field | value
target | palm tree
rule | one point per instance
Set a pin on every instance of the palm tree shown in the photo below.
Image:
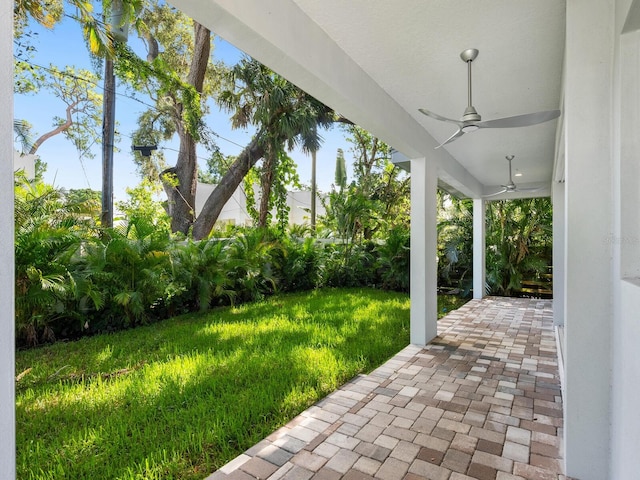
(49, 12)
(285, 116)
(22, 130)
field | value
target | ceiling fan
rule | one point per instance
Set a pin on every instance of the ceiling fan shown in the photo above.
(472, 121)
(512, 187)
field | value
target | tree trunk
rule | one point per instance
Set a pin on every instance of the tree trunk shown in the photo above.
(225, 189)
(182, 188)
(265, 188)
(182, 196)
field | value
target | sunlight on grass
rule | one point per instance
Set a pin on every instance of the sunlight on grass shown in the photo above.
(105, 354)
(180, 398)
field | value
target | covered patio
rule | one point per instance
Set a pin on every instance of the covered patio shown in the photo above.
(482, 400)
(378, 63)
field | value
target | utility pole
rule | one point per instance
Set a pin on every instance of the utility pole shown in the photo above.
(313, 191)
(108, 129)
(119, 30)
(314, 186)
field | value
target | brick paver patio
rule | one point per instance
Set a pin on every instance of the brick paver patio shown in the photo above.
(481, 401)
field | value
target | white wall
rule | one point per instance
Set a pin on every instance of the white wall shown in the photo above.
(7, 347)
(299, 203)
(625, 419)
(235, 210)
(25, 162)
(589, 208)
(625, 241)
(628, 121)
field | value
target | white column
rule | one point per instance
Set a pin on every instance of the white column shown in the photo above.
(559, 248)
(479, 249)
(589, 210)
(7, 322)
(424, 267)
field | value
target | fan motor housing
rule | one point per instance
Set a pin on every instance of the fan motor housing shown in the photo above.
(471, 115)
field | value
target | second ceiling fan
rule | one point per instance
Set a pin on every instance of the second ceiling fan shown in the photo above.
(511, 187)
(472, 121)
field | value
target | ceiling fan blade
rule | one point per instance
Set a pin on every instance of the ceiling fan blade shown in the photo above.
(459, 133)
(504, 190)
(536, 189)
(525, 120)
(426, 112)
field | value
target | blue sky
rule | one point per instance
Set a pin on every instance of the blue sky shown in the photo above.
(66, 168)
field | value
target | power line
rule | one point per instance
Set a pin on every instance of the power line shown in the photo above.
(123, 95)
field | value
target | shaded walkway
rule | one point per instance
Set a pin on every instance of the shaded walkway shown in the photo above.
(481, 401)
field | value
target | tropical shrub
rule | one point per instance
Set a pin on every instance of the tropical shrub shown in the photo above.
(393, 258)
(519, 238)
(199, 277)
(348, 265)
(455, 243)
(348, 214)
(47, 236)
(251, 267)
(143, 205)
(130, 265)
(299, 264)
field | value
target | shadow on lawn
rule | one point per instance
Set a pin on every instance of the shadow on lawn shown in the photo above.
(205, 397)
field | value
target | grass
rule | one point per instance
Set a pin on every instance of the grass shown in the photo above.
(447, 303)
(180, 398)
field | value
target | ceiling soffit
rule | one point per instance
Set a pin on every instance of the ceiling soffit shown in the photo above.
(377, 62)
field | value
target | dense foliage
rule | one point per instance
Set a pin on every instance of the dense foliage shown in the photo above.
(518, 245)
(74, 278)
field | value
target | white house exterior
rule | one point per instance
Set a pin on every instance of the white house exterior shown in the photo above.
(26, 163)
(376, 62)
(235, 211)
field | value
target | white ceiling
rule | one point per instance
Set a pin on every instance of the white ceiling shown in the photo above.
(378, 61)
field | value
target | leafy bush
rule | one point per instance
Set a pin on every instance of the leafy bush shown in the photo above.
(299, 264)
(348, 265)
(518, 243)
(200, 278)
(130, 265)
(74, 279)
(455, 243)
(251, 264)
(393, 258)
(46, 239)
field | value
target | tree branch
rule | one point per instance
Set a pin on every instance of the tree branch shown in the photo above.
(59, 129)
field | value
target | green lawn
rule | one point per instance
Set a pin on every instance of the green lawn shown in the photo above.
(180, 398)
(447, 303)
